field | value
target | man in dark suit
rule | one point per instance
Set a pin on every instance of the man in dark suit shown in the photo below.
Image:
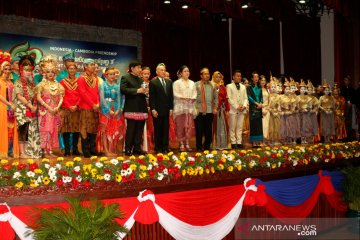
(135, 109)
(161, 100)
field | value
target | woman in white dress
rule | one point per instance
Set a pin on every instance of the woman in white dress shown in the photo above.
(184, 108)
(265, 110)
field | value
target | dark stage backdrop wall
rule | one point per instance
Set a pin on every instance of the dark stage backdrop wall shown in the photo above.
(255, 44)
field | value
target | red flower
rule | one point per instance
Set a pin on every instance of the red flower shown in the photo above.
(59, 182)
(33, 166)
(75, 183)
(161, 167)
(63, 172)
(107, 171)
(273, 155)
(125, 166)
(21, 166)
(141, 161)
(7, 167)
(159, 157)
(87, 183)
(76, 172)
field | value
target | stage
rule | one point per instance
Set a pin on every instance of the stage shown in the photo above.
(166, 176)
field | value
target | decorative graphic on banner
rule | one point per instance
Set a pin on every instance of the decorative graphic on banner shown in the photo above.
(106, 55)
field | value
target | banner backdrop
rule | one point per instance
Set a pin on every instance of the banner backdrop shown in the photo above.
(105, 55)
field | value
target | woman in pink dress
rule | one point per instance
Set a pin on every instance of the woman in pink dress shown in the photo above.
(50, 96)
(184, 108)
(148, 138)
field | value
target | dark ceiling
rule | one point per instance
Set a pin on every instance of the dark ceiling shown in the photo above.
(134, 14)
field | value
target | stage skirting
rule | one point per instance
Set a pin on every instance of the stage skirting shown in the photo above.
(207, 213)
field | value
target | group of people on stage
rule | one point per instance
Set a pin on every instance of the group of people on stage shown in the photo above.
(149, 114)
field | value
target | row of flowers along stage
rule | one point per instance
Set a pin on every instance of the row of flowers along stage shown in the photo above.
(190, 195)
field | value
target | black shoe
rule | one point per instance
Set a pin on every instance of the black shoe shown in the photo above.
(128, 153)
(239, 146)
(87, 155)
(76, 153)
(233, 146)
(139, 152)
(67, 153)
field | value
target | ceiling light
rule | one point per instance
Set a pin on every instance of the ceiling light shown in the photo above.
(185, 6)
(167, 2)
(244, 6)
(302, 1)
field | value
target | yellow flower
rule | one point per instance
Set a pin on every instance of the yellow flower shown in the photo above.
(77, 159)
(306, 162)
(93, 171)
(133, 166)
(196, 171)
(16, 163)
(159, 154)
(143, 167)
(220, 166)
(201, 171)
(120, 158)
(243, 151)
(190, 171)
(4, 161)
(279, 154)
(211, 160)
(178, 162)
(170, 154)
(212, 170)
(223, 159)
(99, 177)
(142, 175)
(46, 180)
(30, 161)
(183, 172)
(107, 162)
(33, 183)
(267, 148)
(232, 151)
(225, 152)
(230, 168)
(273, 165)
(69, 163)
(214, 152)
(103, 159)
(207, 171)
(239, 167)
(59, 159)
(93, 157)
(118, 177)
(132, 157)
(182, 157)
(141, 157)
(19, 184)
(165, 157)
(206, 152)
(327, 146)
(38, 170)
(86, 167)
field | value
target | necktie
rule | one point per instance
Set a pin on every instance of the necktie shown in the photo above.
(237, 86)
(163, 84)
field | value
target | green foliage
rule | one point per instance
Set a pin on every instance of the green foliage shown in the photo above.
(351, 187)
(82, 221)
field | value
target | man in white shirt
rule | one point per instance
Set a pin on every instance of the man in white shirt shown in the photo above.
(239, 104)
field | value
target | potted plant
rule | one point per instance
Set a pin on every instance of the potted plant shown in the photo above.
(91, 220)
(351, 187)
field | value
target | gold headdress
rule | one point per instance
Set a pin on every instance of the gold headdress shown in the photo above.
(49, 64)
(302, 83)
(309, 84)
(292, 82)
(5, 59)
(325, 84)
(287, 83)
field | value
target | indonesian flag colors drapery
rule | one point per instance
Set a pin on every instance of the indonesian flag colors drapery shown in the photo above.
(207, 213)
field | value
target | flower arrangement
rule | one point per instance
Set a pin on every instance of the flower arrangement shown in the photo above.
(75, 173)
